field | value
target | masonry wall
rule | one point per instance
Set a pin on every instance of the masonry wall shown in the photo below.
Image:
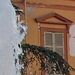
(33, 35)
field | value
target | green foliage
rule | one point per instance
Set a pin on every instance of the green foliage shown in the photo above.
(51, 62)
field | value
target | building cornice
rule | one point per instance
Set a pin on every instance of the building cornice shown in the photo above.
(51, 6)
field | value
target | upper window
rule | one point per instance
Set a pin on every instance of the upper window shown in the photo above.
(55, 41)
(53, 32)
